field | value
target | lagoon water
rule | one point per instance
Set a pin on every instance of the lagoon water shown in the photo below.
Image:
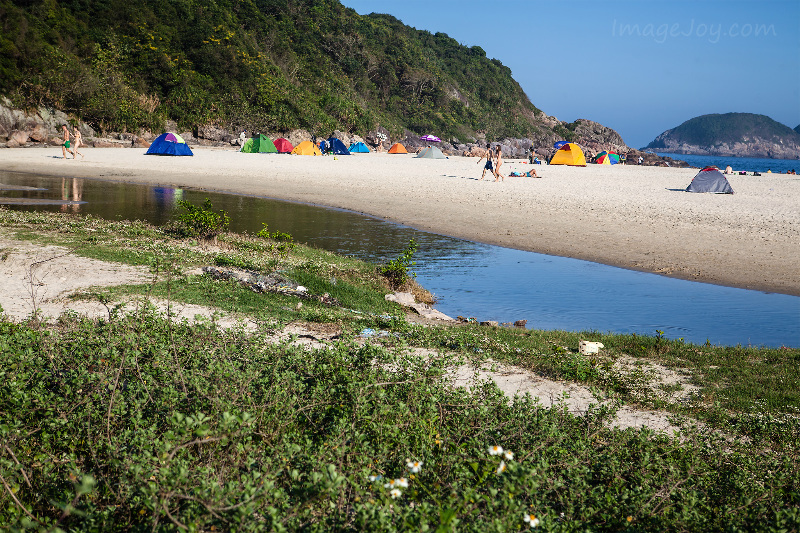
(747, 164)
(469, 279)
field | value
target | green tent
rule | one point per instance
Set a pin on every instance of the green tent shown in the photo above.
(260, 144)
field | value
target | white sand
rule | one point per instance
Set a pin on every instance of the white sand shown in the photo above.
(629, 216)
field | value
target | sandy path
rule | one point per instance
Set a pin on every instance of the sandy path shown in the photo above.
(633, 217)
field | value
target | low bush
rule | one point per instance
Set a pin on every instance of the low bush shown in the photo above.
(398, 271)
(141, 424)
(200, 222)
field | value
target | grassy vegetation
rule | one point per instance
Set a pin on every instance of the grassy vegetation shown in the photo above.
(139, 423)
(263, 65)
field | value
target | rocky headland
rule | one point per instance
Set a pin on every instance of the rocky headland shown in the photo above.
(731, 134)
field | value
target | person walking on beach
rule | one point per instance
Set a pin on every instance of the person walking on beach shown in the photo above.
(65, 146)
(497, 162)
(78, 141)
(488, 156)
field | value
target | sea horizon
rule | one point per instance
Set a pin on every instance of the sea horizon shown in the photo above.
(739, 164)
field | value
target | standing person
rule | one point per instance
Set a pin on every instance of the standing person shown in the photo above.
(78, 140)
(497, 162)
(65, 146)
(488, 156)
(641, 160)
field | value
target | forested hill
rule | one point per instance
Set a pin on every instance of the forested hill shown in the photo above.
(734, 134)
(269, 65)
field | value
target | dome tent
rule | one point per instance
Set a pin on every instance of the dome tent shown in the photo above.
(569, 154)
(337, 147)
(710, 179)
(359, 148)
(306, 148)
(283, 145)
(259, 144)
(169, 144)
(607, 158)
(431, 152)
(398, 148)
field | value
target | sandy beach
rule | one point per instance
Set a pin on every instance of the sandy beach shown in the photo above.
(628, 216)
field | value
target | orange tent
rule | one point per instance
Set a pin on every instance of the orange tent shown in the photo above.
(398, 148)
(306, 148)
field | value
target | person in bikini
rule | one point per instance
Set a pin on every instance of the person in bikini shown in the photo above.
(497, 162)
(488, 165)
(78, 141)
(65, 146)
(529, 174)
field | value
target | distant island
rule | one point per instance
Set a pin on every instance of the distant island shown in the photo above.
(731, 134)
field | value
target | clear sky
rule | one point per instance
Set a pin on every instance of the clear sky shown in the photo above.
(638, 66)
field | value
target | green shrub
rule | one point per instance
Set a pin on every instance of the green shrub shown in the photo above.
(200, 222)
(397, 270)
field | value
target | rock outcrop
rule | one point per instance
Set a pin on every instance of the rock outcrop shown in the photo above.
(18, 127)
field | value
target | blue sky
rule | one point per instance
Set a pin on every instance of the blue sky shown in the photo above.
(638, 66)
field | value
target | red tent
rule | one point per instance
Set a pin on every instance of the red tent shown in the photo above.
(283, 146)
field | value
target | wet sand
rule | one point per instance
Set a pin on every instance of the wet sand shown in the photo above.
(628, 216)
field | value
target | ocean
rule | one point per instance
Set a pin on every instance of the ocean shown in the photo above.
(748, 164)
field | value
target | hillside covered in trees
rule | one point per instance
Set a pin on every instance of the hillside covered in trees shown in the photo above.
(269, 65)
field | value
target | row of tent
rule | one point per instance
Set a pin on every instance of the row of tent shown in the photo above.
(264, 145)
(173, 144)
(571, 154)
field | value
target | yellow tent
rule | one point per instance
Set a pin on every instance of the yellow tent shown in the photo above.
(306, 148)
(569, 154)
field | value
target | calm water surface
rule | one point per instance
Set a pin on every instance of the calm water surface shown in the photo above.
(469, 279)
(747, 164)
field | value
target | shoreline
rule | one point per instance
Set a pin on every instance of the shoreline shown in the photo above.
(631, 217)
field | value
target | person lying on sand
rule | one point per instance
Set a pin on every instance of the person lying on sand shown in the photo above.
(529, 174)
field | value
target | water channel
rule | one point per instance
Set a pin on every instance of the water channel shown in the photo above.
(469, 279)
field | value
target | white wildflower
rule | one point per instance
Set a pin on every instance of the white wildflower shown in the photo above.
(414, 466)
(508, 455)
(395, 493)
(495, 450)
(531, 520)
(502, 467)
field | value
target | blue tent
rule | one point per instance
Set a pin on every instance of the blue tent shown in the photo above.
(359, 148)
(337, 147)
(323, 146)
(169, 144)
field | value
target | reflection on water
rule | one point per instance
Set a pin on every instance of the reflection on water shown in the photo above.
(469, 279)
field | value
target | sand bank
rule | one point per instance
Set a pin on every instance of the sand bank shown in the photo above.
(628, 216)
